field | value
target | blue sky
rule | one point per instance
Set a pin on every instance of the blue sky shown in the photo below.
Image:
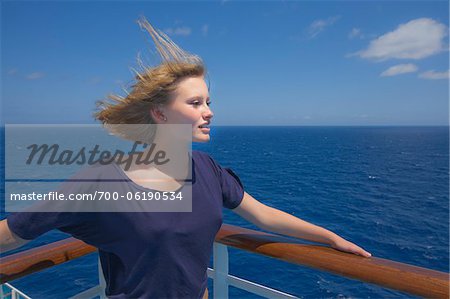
(270, 63)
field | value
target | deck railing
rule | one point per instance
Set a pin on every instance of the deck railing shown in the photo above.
(386, 273)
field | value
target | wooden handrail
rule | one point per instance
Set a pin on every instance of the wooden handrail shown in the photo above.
(403, 277)
(36, 259)
(394, 275)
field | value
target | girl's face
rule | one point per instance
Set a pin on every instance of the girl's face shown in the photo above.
(190, 105)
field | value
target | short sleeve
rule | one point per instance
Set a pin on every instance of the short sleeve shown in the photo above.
(232, 189)
(24, 225)
(231, 185)
(37, 220)
(30, 225)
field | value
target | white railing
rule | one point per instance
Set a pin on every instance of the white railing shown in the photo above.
(222, 279)
(7, 291)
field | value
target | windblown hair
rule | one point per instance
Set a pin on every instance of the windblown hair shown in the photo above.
(153, 86)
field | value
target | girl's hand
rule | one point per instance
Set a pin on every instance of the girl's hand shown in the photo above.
(344, 245)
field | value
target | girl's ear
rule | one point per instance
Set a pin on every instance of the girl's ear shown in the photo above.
(158, 115)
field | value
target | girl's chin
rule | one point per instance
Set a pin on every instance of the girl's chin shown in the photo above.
(203, 139)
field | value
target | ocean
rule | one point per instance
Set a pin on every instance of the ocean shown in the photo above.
(383, 188)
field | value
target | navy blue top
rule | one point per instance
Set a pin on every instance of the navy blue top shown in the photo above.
(150, 255)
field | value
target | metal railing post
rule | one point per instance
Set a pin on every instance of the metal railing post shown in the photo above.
(220, 271)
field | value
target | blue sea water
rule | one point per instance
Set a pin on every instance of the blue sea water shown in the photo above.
(384, 188)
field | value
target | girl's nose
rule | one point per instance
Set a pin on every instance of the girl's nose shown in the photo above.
(208, 114)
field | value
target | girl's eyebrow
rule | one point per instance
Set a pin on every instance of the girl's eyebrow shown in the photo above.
(197, 98)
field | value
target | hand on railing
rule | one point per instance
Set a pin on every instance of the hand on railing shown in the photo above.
(343, 245)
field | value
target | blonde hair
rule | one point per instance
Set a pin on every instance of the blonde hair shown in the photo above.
(153, 86)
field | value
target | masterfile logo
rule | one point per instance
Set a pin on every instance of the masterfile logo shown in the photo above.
(91, 168)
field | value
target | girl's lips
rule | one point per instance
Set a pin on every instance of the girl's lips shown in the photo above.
(205, 130)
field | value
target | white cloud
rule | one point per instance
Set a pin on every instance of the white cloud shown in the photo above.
(416, 39)
(399, 69)
(205, 28)
(433, 75)
(183, 31)
(318, 26)
(356, 32)
(35, 76)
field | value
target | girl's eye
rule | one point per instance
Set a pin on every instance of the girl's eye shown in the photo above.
(197, 103)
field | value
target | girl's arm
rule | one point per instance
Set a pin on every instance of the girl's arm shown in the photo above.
(9, 240)
(280, 222)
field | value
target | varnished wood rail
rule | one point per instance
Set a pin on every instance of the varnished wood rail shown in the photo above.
(36, 259)
(394, 275)
(386, 273)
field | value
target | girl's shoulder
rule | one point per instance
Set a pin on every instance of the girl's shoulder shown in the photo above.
(203, 158)
(203, 161)
(200, 155)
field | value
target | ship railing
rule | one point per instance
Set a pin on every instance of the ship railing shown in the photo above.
(382, 272)
(7, 291)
